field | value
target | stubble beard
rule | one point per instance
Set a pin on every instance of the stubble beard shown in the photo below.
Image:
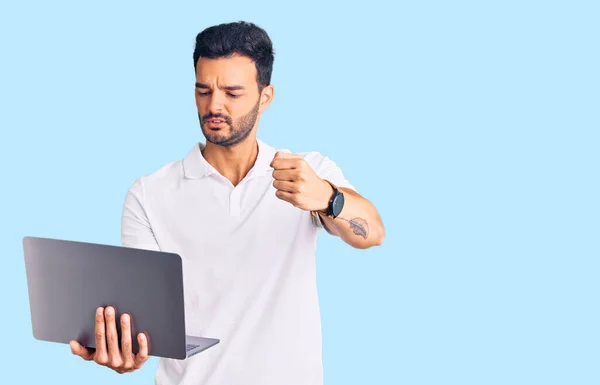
(238, 132)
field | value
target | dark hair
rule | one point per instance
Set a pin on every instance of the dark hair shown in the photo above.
(243, 38)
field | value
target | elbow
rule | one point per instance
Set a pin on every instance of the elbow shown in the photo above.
(376, 239)
(379, 235)
(369, 244)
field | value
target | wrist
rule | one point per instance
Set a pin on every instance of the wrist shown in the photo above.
(327, 195)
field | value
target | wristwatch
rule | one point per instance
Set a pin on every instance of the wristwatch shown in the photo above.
(336, 202)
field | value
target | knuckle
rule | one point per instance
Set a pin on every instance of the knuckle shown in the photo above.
(101, 359)
(116, 362)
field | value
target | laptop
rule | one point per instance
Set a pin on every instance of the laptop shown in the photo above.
(68, 280)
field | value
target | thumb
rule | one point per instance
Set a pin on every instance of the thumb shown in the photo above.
(282, 155)
(285, 155)
(279, 155)
(79, 350)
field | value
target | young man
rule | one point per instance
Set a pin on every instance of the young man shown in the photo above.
(245, 218)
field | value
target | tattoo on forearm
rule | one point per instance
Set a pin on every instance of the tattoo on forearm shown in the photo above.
(359, 226)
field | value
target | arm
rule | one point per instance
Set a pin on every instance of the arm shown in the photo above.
(358, 224)
(136, 231)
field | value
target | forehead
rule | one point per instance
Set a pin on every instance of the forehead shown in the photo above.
(231, 70)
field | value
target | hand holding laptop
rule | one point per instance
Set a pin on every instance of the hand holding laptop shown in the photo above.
(107, 352)
(69, 282)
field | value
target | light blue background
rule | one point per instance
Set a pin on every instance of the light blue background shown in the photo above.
(473, 126)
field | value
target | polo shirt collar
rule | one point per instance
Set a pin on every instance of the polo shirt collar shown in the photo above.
(195, 165)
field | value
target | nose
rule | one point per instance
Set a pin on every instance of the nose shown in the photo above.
(216, 102)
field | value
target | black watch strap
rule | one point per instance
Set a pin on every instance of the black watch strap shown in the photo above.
(335, 196)
(329, 211)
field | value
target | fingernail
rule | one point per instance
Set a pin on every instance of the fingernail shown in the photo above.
(125, 318)
(109, 310)
(99, 311)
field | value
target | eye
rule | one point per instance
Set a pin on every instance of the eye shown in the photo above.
(203, 93)
(234, 95)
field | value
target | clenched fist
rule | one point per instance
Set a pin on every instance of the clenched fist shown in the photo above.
(297, 183)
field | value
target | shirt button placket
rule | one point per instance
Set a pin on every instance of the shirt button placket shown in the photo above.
(234, 203)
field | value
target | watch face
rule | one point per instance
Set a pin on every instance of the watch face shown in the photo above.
(338, 205)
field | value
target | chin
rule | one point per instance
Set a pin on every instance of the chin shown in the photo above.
(218, 134)
(215, 138)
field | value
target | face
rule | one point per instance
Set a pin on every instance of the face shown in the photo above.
(228, 100)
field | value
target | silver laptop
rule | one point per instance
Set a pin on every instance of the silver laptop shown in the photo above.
(69, 280)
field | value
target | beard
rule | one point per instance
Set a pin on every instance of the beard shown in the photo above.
(237, 132)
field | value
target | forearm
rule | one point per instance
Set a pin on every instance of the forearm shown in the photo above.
(358, 224)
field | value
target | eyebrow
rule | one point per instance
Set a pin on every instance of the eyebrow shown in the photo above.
(228, 88)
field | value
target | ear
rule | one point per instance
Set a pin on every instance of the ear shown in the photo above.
(266, 96)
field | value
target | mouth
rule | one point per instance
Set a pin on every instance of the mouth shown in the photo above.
(215, 123)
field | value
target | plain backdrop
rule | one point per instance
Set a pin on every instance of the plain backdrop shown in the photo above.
(473, 126)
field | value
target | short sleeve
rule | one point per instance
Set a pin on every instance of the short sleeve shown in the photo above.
(136, 231)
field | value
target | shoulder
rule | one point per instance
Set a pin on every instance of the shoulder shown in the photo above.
(165, 177)
(326, 168)
(317, 160)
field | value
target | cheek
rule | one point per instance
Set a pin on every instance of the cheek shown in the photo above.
(202, 106)
(199, 102)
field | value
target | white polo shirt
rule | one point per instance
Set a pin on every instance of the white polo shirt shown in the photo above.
(248, 266)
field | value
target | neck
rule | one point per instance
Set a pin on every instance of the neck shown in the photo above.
(234, 162)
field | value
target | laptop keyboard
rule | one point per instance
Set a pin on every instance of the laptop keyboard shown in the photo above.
(189, 347)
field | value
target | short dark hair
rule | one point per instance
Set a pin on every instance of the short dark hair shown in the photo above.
(242, 38)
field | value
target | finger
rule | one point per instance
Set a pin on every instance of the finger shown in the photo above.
(121, 370)
(288, 175)
(286, 196)
(126, 342)
(286, 164)
(286, 186)
(79, 350)
(101, 356)
(284, 155)
(279, 155)
(114, 353)
(142, 355)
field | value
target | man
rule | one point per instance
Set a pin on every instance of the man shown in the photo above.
(245, 218)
